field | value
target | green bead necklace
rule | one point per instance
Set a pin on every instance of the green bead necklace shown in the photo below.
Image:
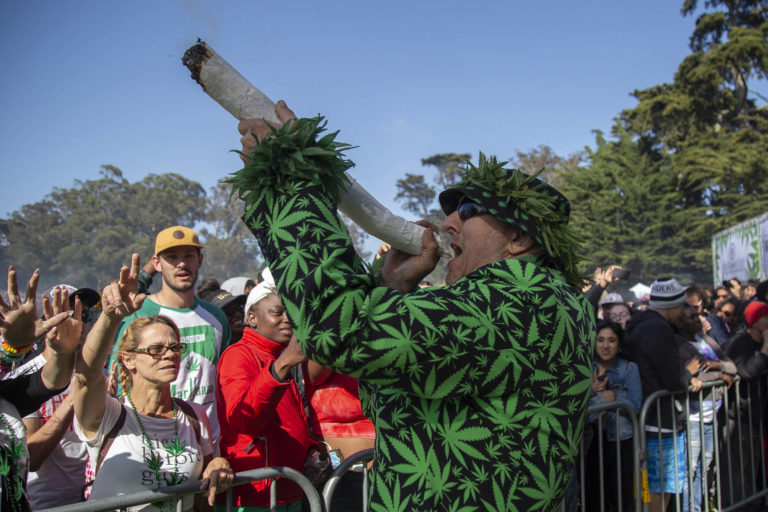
(154, 461)
(11, 459)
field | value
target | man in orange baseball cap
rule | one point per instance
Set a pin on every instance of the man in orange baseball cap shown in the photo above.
(203, 327)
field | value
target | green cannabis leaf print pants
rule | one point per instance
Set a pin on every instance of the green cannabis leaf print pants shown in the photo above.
(478, 390)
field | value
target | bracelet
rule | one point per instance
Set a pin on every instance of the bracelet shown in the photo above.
(9, 355)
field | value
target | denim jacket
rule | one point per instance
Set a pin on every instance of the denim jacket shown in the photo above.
(624, 377)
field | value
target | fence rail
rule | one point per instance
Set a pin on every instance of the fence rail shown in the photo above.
(177, 492)
(330, 486)
(736, 478)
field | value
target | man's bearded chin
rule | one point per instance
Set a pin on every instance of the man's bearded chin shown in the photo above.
(182, 288)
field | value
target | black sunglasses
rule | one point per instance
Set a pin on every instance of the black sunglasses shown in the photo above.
(469, 209)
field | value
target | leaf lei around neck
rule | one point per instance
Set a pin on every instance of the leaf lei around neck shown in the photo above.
(154, 461)
(289, 153)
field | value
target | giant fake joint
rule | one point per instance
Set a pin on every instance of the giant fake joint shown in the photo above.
(244, 101)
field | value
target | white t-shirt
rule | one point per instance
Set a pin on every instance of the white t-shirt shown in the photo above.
(124, 471)
(59, 479)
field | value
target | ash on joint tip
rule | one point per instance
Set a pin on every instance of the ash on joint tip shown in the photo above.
(194, 58)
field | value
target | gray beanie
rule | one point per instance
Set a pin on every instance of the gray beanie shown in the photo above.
(666, 293)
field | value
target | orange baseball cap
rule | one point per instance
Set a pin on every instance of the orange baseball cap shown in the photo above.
(176, 236)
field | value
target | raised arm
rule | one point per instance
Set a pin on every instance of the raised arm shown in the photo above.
(119, 299)
(42, 438)
(425, 342)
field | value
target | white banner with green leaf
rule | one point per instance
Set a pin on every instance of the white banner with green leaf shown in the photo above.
(741, 251)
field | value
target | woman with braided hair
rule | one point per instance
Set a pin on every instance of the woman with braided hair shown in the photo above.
(147, 439)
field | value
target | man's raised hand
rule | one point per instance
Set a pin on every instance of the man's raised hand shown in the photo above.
(254, 130)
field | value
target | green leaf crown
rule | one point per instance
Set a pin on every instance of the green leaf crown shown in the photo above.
(527, 202)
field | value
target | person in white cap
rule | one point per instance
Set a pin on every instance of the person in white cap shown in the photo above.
(238, 285)
(607, 302)
(652, 346)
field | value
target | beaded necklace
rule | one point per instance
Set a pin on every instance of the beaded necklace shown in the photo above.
(11, 466)
(10, 357)
(154, 461)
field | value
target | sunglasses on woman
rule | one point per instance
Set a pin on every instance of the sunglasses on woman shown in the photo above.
(468, 209)
(158, 351)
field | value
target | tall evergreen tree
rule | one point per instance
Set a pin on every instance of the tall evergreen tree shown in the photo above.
(543, 158)
(230, 249)
(697, 149)
(420, 198)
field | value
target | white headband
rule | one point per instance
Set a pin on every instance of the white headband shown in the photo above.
(261, 290)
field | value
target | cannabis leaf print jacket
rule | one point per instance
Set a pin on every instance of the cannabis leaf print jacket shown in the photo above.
(478, 390)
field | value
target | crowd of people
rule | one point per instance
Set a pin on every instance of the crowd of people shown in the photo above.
(678, 339)
(473, 395)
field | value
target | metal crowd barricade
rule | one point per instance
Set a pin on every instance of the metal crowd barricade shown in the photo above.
(738, 449)
(597, 439)
(738, 462)
(361, 458)
(176, 492)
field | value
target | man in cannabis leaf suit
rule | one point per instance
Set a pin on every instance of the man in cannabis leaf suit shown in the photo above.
(478, 389)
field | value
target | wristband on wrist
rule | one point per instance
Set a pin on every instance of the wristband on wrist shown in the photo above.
(276, 377)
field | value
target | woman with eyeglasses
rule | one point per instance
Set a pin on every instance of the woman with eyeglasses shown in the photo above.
(146, 439)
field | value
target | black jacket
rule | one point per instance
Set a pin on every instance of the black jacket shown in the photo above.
(652, 346)
(752, 366)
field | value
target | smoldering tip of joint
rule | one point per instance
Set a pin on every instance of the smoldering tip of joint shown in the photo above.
(194, 58)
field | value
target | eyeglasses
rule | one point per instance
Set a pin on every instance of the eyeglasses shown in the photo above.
(158, 351)
(618, 316)
(469, 209)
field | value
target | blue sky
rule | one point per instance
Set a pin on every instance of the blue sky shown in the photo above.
(101, 82)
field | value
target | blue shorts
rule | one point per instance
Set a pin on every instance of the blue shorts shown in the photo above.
(668, 457)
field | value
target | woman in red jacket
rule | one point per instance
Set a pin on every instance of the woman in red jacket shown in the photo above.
(259, 406)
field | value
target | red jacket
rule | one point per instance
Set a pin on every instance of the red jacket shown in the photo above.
(253, 404)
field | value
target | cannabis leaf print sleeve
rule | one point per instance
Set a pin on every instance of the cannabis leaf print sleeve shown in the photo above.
(477, 390)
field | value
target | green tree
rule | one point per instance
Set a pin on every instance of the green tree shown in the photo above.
(420, 198)
(230, 248)
(544, 159)
(448, 167)
(82, 234)
(359, 238)
(691, 158)
(625, 206)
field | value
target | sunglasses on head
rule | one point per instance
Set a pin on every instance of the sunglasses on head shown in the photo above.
(468, 209)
